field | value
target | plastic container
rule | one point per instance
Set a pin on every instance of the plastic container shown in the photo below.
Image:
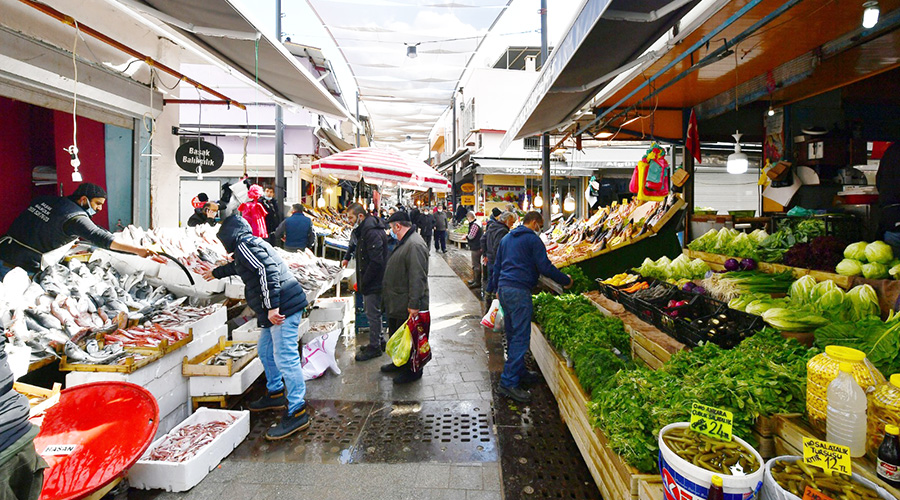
(772, 491)
(846, 424)
(743, 325)
(823, 368)
(685, 481)
(884, 409)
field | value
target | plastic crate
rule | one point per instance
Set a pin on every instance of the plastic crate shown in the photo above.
(746, 325)
(650, 310)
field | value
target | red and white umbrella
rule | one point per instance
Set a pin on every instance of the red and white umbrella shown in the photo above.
(426, 178)
(376, 166)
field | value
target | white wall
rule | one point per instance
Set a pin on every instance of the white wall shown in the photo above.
(499, 95)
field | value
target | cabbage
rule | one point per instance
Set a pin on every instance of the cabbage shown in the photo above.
(895, 272)
(849, 267)
(698, 268)
(759, 235)
(801, 290)
(856, 251)
(863, 302)
(723, 239)
(741, 246)
(821, 289)
(880, 252)
(678, 268)
(758, 307)
(831, 302)
(705, 243)
(875, 271)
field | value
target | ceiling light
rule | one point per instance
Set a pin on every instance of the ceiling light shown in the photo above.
(554, 208)
(329, 190)
(770, 112)
(411, 51)
(737, 161)
(538, 201)
(569, 203)
(320, 202)
(870, 14)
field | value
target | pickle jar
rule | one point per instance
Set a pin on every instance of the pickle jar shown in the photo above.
(823, 368)
(884, 409)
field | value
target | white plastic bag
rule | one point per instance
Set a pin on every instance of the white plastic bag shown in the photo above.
(318, 356)
(490, 318)
(499, 323)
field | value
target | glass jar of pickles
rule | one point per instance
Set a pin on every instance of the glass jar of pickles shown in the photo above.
(884, 409)
(823, 368)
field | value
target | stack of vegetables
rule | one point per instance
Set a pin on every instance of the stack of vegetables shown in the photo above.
(728, 241)
(681, 268)
(728, 285)
(871, 260)
(802, 244)
(581, 282)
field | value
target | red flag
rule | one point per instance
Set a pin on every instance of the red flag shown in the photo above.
(692, 141)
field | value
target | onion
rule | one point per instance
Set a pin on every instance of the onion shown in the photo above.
(748, 265)
(732, 265)
(689, 286)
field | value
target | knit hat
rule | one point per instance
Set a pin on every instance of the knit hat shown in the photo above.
(399, 217)
(496, 212)
(88, 189)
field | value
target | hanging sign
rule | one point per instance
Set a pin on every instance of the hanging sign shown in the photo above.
(194, 153)
(466, 200)
(467, 188)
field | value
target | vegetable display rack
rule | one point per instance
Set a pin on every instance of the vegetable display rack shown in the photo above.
(847, 227)
(198, 365)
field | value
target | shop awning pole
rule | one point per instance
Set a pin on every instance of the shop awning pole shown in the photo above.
(545, 137)
(280, 181)
(66, 19)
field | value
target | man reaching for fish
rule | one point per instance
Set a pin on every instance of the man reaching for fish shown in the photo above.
(51, 223)
(278, 301)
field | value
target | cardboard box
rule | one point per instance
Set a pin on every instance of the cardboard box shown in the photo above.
(182, 476)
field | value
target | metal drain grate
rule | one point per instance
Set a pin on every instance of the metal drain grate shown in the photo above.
(460, 431)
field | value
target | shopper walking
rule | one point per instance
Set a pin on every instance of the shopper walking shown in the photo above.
(474, 240)
(426, 226)
(493, 234)
(440, 229)
(405, 286)
(296, 231)
(521, 259)
(371, 258)
(278, 300)
(274, 215)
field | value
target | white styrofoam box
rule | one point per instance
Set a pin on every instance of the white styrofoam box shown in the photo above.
(234, 289)
(204, 342)
(127, 263)
(175, 396)
(172, 274)
(174, 418)
(248, 332)
(333, 309)
(233, 385)
(206, 324)
(182, 476)
(308, 336)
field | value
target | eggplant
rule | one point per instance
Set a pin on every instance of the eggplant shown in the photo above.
(689, 286)
(699, 290)
(748, 265)
(732, 265)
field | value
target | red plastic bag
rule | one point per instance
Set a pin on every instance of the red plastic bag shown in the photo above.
(420, 328)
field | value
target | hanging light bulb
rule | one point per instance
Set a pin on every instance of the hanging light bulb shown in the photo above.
(525, 205)
(371, 206)
(737, 161)
(569, 203)
(554, 208)
(75, 162)
(320, 202)
(771, 111)
(871, 12)
(538, 201)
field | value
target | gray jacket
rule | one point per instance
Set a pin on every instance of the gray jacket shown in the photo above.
(406, 277)
(440, 221)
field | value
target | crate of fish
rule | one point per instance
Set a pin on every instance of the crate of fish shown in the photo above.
(181, 459)
(106, 358)
(190, 319)
(150, 336)
(222, 360)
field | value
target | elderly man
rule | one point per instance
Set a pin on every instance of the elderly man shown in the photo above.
(493, 234)
(521, 259)
(474, 240)
(405, 285)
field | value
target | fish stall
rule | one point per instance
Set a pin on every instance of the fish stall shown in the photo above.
(102, 317)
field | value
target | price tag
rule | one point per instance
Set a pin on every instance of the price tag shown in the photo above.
(712, 422)
(827, 456)
(812, 494)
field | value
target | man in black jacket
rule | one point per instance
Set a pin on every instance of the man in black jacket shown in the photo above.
(473, 238)
(371, 257)
(426, 226)
(274, 215)
(278, 301)
(495, 230)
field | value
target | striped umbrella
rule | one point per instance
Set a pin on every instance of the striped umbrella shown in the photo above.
(377, 166)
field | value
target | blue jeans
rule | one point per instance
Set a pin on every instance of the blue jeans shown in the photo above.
(280, 355)
(517, 311)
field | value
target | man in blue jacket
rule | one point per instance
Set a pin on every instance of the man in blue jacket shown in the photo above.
(297, 231)
(278, 301)
(521, 259)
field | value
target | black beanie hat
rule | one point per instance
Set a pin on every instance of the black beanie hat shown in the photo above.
(399, 217)
(88, 189)
(496, 212)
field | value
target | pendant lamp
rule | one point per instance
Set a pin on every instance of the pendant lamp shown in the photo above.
(737, 161)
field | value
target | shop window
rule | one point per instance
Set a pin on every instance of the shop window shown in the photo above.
(532, 143)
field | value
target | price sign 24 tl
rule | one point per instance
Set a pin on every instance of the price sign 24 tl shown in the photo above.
(712, 422)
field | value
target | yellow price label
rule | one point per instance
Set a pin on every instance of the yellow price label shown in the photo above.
(827, 456)
(711, 422)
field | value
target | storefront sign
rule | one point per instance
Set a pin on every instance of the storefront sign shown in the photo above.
(828, 456)
(199, 153)
(712, 422)
(467, 188)
(467, 200)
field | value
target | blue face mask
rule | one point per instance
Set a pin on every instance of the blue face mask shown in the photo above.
(90, 210)
(394, 235)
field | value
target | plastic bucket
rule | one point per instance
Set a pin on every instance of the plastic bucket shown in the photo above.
(683, 480)
(772, 491)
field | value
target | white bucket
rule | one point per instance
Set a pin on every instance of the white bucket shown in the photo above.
(683, 480)
(772, 491)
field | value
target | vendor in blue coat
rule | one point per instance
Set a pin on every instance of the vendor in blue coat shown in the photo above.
(521, 259)
(297, 231)
(278, 301)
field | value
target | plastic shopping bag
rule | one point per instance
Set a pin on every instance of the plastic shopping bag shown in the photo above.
(498, 321)
(490, 318)
(419, 328)
(399, 345)
(318, 356)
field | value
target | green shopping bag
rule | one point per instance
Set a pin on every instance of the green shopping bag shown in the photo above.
(399, 345)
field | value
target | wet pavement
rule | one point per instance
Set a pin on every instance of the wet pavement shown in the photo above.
(447, 436)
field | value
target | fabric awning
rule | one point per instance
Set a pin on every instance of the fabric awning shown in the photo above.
(224, 29)
(459, 155)
(531, 168)
(606, 35)
(332, 138)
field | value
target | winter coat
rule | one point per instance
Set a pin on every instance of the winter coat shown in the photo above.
(406, 277)
(493, 233)
(474, 236)
(273, 216)
(297, 231)
(255, 214)
(200, 218)
(521, 259)
(371, 255)
(426, 224)
(268, 282)
(440, 221)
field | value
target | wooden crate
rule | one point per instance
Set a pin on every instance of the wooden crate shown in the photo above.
(790, 431)
(196, 367)
(715, 260)
(615, 478)
(39, 398)
(163, 347)
(129, 366)
(650, 491)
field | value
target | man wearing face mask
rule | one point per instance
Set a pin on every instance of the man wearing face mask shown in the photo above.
(38, 236)
(371, 257)
(273, 215)
(520, 260)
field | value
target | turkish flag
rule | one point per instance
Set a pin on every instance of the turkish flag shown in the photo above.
(692, 139)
